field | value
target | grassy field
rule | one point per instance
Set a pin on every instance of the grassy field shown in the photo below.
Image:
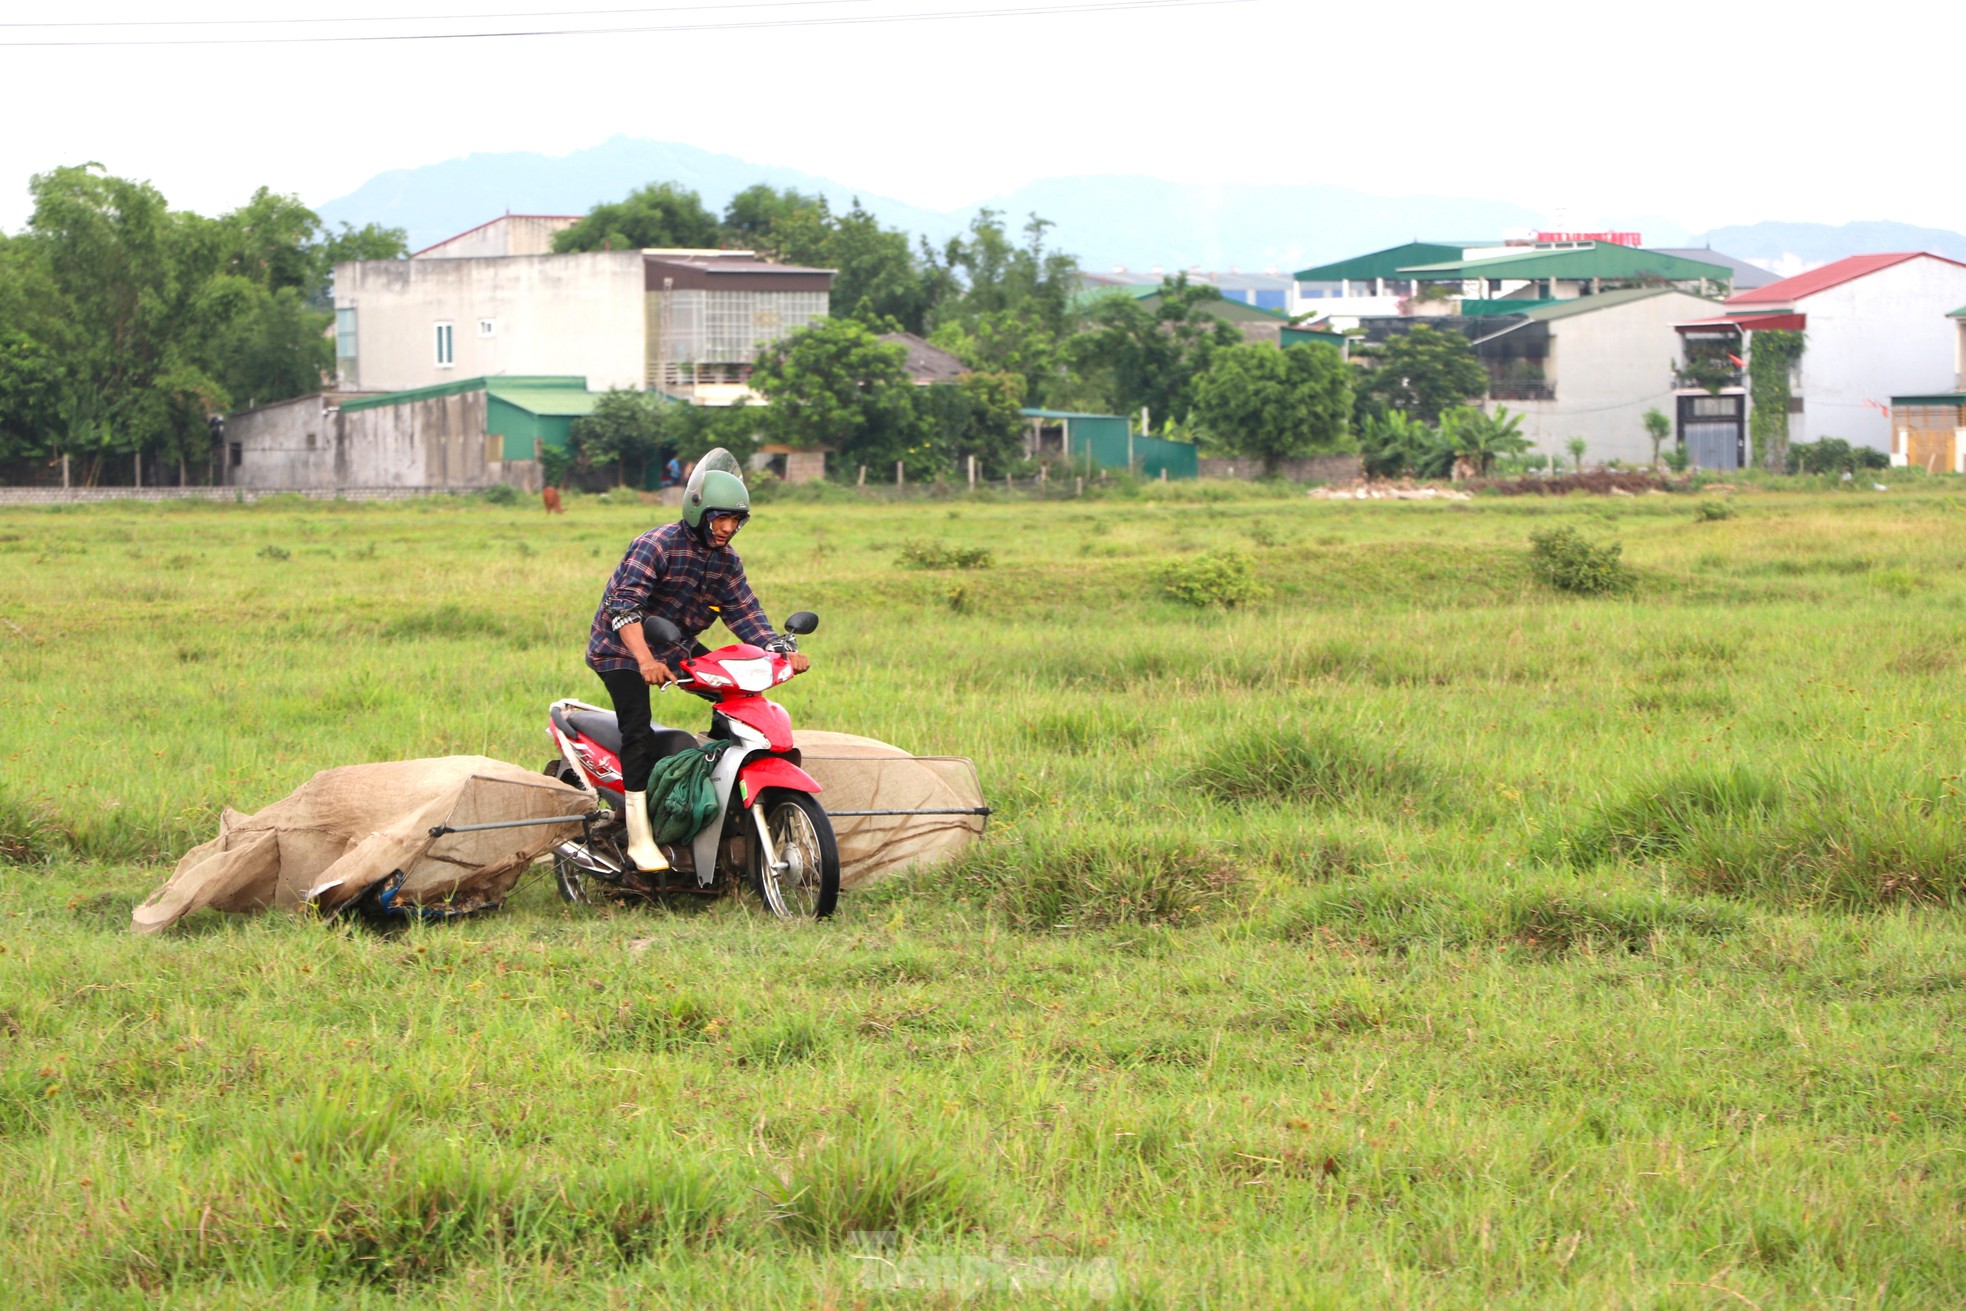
(1414, 935)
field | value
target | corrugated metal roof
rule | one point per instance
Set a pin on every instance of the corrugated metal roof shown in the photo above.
(1959, 313)
(1383, 263)
(1600, 259)
(498, 386)
(549, 401)
(1847, 269)
(1604, 300)
(1939, 398)
(1066, 414)
(1746, 276)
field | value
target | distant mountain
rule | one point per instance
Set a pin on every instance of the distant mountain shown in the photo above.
(1789, 248)
(441, 200)
(1107, 221)
(1139, 222)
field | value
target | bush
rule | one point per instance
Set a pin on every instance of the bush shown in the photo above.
(1712, 511)
(1678, 459)
(920, 553)
(1567, 561)
(499, 494)
(1215, 578)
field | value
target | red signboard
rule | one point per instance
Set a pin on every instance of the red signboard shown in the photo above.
(1614, 238)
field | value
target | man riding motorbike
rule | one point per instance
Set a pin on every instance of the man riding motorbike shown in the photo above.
(685, 572)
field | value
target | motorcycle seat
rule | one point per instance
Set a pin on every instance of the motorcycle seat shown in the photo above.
(602, 727)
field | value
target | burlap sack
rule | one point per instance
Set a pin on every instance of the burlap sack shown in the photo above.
(346, 829)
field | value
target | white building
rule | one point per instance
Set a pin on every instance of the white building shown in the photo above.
(1590, 368)
(1874, 326)
(690, 322)
(508, 234)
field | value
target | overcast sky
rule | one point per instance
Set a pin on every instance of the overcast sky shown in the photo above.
(1604, 114)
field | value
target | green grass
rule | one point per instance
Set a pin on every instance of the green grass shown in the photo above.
(1409, 934)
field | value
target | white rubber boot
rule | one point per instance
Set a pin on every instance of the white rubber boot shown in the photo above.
(641, 839)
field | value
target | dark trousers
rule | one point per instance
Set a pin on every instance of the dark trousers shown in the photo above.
(630, 693)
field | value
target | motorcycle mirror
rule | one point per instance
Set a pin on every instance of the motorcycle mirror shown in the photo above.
(805, 621)
(661, 632)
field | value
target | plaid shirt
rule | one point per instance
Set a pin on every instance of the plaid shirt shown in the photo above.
(668, 572)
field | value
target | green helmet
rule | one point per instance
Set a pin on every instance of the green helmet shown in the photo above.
(715, 488)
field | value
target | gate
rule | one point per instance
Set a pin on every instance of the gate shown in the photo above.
(1713, 429)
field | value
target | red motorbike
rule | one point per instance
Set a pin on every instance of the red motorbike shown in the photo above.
(770, 833)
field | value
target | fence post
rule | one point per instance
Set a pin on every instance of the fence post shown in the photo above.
(1044, 475)
(64, 470)
(863, 477)
(1078, 487)
(972, 473)
(139, 466)
(900, 476)
(1007, 487)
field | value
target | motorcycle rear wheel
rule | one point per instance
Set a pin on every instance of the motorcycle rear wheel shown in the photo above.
(805, 881)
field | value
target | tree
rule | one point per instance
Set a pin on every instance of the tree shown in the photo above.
(30, 393)
(878, 277)
(990, 274)
(1657, 427)
(978, 415)
(1772, 354)
(626, 427)
(1478, 438)
(835, 384)
(661, 214)
(1577, 446)
(757, 216)
(1424, 372)
(1270, 404)
(1392, 444)
(1153, 356)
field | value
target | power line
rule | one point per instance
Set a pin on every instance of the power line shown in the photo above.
(436, 18)
(835, 20)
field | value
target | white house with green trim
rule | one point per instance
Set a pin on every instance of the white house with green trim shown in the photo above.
(471, 432)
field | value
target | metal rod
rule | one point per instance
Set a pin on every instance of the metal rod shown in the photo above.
(440, 830)
(971, 810)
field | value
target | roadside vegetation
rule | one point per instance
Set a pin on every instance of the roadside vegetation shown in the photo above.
(1368, 920)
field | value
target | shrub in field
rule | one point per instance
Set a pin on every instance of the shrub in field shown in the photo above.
(1660, 820)
(873, 1180)
(922, 553)
(499, 494)
(1101, 879)
(1225, 578)
(272, 552)
(28, 833)
(1712, 511)
(1314, 765)
(1568, 561)
(1403, 915)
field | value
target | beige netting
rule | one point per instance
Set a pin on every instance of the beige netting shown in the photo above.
(347, 829)
(860, 774)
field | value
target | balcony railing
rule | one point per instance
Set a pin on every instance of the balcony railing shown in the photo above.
(1521, 391)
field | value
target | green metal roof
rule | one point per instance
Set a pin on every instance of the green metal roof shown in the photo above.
(1290, 336)
(1604, 300)
(1066, 414)
(545, 401)
(1940, 398)
(1234, 311)
(1600, 259)
(497, 386)
(1959, 313)
(1478, 309)
(1380, 263)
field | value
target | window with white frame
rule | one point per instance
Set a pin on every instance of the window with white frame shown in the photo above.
(344, 332)
(446, 346)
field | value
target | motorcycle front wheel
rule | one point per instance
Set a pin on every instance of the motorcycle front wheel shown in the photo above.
(803, 881)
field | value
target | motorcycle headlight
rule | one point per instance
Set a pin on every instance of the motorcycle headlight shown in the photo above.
(751, 675)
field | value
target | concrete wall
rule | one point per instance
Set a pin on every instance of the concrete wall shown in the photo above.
(1870, 339)
(549, 314)
(510, 234)
(1608, 368)
(1309, 469)
(307, 444)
